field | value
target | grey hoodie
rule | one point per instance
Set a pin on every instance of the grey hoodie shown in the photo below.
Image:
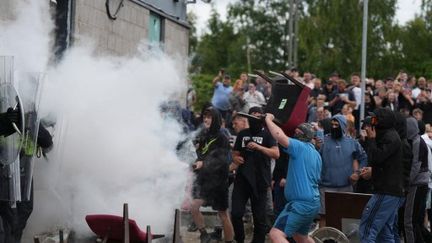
(419, 169)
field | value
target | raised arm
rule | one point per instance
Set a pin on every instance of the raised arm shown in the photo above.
(217, 78)
(276, 131)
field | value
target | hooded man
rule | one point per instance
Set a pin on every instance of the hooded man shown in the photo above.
(301, 190)
(342, 157)
(415, 204)
(211, 183)
(253, 149)
(384, 151)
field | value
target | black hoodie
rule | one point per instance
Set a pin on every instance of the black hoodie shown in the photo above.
(407, 155)
(385, 156)
(213, 149)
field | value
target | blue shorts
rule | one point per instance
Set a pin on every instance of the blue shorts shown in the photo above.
(297, 217)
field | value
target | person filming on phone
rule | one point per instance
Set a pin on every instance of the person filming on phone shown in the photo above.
(385, 157)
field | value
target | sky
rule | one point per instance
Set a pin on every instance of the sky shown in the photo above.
(406, 11)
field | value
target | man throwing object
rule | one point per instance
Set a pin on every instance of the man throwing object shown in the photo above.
(301, 189)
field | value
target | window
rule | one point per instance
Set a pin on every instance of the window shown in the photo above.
(156, 29)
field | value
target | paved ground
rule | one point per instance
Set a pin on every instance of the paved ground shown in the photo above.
(211, 220)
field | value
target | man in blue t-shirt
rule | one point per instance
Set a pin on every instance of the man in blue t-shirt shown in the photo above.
(301, 188)
(222, 91)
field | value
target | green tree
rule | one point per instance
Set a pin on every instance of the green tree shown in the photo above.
(331, 32)
(416, 41)
(193, 38)
(203, 86)
(214, 49)
(263, 27)
(255, 36)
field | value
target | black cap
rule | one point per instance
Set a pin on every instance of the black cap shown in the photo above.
(256, 109)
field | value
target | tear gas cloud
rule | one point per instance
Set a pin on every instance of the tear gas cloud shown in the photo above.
(27, 36)
(111, 144)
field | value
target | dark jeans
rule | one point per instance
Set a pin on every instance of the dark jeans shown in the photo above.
(14, 220)
(23, 211)
(7, 222)
(241, 193)
(279, 199)
(415, 207)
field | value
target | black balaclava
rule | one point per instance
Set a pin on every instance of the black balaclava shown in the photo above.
(255, 125)
(336, 132)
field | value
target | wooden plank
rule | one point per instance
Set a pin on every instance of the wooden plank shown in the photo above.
(126, 223)
(149, 234)
(344, 205)
(176, 235)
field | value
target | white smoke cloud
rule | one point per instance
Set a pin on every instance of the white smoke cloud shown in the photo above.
(112, 146)
(27, 36)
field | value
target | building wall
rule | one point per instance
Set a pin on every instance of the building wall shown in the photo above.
(176, 40)
(6, 9)
(177, 9)
(120, 36)
(123, 35)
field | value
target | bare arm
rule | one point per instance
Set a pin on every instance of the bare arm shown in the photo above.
(276, 131)
(272, 152)
(350, 102)
(237, 160)
(356, 165)
(217, 78)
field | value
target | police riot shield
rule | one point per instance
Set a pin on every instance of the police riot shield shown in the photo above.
(11, 126)
(29, 86)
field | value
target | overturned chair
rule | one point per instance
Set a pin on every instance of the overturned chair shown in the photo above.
(112, 228)
(288, 101)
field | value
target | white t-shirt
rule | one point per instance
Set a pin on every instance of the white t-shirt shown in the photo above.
(357, 95)
(255, 99)
(428, 142)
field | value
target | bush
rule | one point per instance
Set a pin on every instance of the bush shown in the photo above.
(203, 86)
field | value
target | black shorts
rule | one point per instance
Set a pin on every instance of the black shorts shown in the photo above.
(217, 197)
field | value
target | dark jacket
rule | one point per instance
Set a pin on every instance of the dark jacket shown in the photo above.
(419, 174)
(407, 156)
(281, 166)
(426, 107)
(385, 156)
(213, 150)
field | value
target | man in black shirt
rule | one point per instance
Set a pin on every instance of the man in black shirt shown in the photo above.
(253, 150)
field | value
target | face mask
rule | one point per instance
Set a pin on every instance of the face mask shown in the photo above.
(255, 126)
(297, 136)
(336, 133)
(301, 137)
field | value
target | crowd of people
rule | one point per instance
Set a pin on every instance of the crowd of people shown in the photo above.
(250, 161)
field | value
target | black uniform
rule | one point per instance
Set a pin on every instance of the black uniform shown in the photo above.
(252, 182)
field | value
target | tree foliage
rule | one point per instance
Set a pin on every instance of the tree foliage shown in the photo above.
(330, 35)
